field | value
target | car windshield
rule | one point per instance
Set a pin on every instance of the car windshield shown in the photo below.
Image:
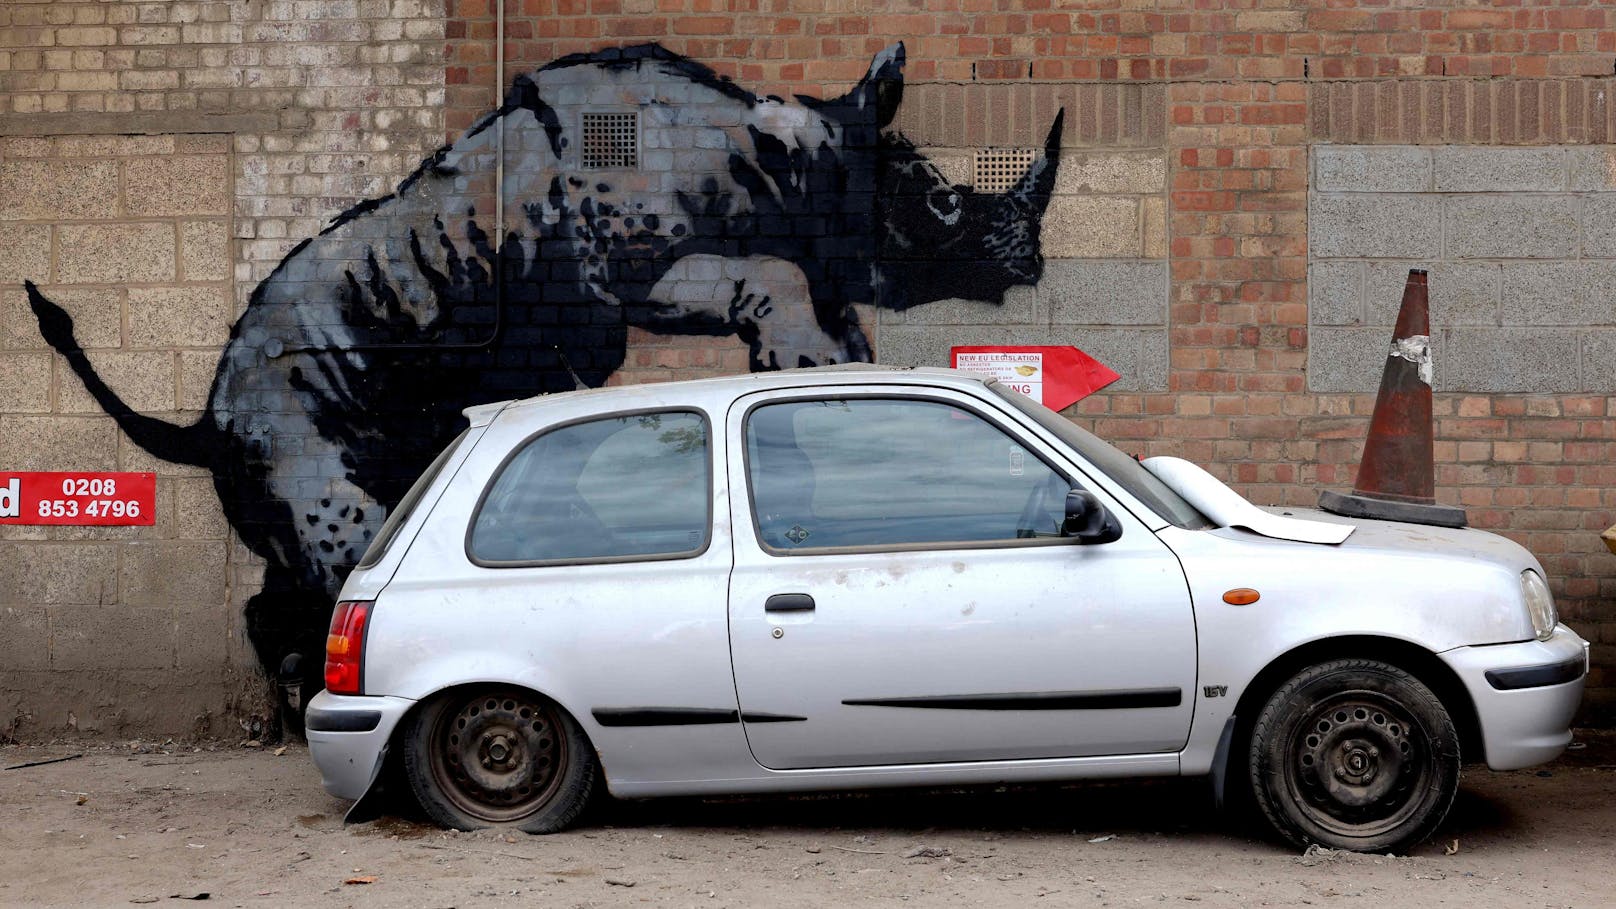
(1127, 472)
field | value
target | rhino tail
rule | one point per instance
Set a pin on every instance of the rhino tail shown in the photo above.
(196, 444)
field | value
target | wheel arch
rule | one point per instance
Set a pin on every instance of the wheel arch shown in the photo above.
(1411, 658)
(422, 702)
(393, 762)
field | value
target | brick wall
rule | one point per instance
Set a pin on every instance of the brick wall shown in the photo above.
(1246, 92)
(1182, 256)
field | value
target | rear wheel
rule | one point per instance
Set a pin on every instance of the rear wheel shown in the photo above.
(499, 757)
(1354, 754)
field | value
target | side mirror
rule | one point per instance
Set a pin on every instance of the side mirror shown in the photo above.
(1088, 520)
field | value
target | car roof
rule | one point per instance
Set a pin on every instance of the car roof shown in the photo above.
(737, 385)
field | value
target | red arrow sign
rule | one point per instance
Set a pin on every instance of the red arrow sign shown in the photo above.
(1058, 377)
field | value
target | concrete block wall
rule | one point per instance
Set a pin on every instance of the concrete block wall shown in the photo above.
(1518, 242)
(156, 161)
(132, 234)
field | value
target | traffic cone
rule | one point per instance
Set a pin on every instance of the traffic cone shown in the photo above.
(1397, 477)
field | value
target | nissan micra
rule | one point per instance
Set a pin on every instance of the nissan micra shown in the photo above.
(862, 576)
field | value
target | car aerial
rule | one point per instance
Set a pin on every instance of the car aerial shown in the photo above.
(861, 576)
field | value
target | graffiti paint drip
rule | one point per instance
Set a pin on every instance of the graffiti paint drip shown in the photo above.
(758, 217)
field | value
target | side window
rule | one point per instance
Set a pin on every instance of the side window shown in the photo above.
(633, 486)
(888, 472)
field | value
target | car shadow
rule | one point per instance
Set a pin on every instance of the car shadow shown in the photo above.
(1474, 814)
(1134, 806)
(1156, 806)
(1131, 808)
(1123, 807)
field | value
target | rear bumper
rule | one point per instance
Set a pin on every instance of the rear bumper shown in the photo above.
(348, 739)
(1525, 695)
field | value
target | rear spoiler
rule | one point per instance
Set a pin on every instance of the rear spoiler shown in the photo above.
(483, 414)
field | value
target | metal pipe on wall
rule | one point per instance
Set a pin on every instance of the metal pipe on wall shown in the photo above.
(499, 163)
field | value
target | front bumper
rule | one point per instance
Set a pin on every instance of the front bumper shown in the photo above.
(348, 738)
(1525, 695)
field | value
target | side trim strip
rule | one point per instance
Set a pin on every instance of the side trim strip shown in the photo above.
(684, 716)
(1037, 700)
(750, 717)
(1536, 676)
(341, 720)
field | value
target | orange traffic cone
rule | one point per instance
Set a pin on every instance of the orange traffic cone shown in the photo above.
(1397, 477)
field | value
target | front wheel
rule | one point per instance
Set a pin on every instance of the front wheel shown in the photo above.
(498, 757)
(1354, 754)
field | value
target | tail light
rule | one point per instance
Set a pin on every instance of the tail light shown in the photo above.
(345, 647)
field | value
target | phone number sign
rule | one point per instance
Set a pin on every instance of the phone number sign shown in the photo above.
(77, 497)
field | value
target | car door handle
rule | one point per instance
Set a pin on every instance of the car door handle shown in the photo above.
(789, 602)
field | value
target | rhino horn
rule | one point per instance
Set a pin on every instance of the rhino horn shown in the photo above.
(1031, 192)
(1020, 211)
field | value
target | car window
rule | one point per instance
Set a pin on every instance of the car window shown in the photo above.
(1126, 471)
(620, 487)
(893, 472)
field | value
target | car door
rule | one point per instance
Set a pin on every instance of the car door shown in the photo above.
(901, 593)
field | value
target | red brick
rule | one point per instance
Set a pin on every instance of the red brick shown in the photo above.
(703, 25)
(1478, 19)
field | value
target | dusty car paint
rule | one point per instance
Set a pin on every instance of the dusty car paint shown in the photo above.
(682, 692)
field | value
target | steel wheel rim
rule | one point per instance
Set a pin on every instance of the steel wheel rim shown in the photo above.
(500, 757)
(1358, 764)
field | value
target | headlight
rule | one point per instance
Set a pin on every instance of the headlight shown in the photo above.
(1539, 603)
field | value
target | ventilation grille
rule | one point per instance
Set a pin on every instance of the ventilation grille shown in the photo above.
(611, 140)
(998, 169)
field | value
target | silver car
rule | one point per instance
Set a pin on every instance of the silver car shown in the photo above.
(861, 576)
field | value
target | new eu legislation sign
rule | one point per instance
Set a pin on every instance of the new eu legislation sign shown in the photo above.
(1056, 377)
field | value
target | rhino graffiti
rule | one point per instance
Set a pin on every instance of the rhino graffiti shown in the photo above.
(759, 217)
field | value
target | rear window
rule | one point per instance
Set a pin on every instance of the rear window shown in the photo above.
(406, 506)
(627, 487)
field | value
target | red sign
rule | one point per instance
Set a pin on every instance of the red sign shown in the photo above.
(78, 498)
(1057, 377)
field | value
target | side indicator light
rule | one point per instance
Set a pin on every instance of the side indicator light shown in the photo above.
(1241, 596)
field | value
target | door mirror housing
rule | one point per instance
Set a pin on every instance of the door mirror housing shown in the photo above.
(1088, 520)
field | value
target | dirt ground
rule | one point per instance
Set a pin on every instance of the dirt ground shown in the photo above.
(146, 823)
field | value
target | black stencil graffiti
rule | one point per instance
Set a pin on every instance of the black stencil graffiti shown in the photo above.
(759, 217)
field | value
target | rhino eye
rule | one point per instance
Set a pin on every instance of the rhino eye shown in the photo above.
(945, 204)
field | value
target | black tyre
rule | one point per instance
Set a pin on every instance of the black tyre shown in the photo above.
(1354, 754)
(498, 757)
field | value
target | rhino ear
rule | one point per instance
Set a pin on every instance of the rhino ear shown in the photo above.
(881, 89)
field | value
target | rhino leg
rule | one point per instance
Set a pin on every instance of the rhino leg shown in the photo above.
(765, 301)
